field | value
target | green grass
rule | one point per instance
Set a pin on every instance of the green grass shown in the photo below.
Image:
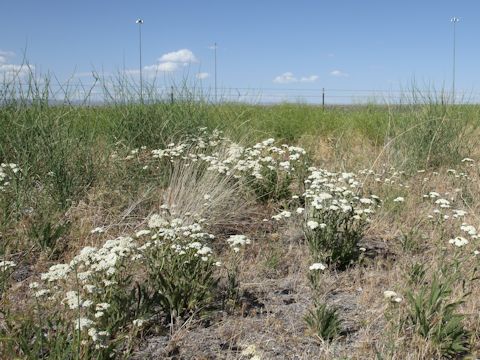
(64, 150)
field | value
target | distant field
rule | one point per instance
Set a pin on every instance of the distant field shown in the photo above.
(199, 230)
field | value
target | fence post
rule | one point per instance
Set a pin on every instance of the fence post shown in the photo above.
(171, 95)
(323, 98)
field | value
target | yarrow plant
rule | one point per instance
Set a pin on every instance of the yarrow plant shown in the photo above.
(269, 170)
(179, 265)
(167, 269)
(237, 244)
(323, 320)
(335, 216)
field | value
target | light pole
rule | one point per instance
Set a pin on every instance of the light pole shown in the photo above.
(140, 22)
(454, 21)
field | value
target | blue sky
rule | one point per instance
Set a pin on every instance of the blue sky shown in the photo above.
(262, 44)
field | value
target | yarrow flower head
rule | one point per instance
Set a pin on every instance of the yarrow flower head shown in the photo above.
(236, 241)
(138, 322)
(317, 266)
(156, 221)
(458, 241)
(392, 296)
(4, 265)
(98, 230)
(283, 215)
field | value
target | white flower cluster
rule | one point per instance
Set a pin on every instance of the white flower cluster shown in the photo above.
(265, 155)
(7, 173)
(330, 192)
(197, 144)
(285, 214)
(470, 232)
(387, 176)
(226, 157)
(459, 241)
(392, 296)
(237, 241)
(317, 266)
(443, 206)
(5, 265)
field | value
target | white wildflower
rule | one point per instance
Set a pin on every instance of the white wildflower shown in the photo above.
(56, 272)
(238, 240)
(156, 221)
(138, 322)
(443, 203)
(469, 229)
(388, 294)
(97, 230)
(142, 233)
(82, 323)
(458, 241)
(317, 266)
(72, 299)
(5, 264)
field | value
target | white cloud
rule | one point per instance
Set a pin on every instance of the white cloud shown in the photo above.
(285, 78)
(162, 67)
(183, 56)
(311, 78)
(338, 73)
(202, 75)
(167, 63)
(6, 54)
(289, 78)
(10, 70)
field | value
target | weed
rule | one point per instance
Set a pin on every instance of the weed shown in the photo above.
(324, 321)
(436, 318)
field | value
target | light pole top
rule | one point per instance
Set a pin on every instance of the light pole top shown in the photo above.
(454, 19)
(139, 21)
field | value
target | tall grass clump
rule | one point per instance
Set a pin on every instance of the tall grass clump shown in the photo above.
(431, 131)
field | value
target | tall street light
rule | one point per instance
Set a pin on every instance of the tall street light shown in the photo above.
(454, 21)
(140, 22)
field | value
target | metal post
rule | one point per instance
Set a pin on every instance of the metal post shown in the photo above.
(171, 95)
(323, 98)
(215, 48)
(454, 20)
(140, 22)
